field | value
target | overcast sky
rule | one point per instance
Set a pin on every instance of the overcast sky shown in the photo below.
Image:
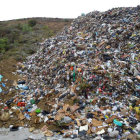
(14, 9)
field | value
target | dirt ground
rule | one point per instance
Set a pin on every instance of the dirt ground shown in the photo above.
(7, 67)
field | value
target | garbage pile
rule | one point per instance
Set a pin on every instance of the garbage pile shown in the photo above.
(85, 80)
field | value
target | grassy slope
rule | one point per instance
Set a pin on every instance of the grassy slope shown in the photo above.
(21, 38)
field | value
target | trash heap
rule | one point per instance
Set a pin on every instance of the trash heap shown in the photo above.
(85, 81)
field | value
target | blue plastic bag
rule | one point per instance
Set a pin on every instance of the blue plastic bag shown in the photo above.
(1, 77)
(117, 122)
(24, 87)
(3, 85)
(0, 89)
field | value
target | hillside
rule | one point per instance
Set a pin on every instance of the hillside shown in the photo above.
(20, 38)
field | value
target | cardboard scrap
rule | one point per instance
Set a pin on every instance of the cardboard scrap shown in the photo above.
(73, 108)
(59, 116)
(96, 122)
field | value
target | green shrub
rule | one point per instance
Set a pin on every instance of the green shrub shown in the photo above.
(19, 26)
(66, 20)
(26, 28)
(30, 51)
(48, 31)
(32, 22)
(4, 45)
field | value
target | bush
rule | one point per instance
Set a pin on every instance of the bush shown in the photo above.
(30, 51)
(26, 28)
(4, 45)
(66, 20)
(48, 31)
(32, 23)
(19, 26)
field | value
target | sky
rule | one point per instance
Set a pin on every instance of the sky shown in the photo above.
(15, 9)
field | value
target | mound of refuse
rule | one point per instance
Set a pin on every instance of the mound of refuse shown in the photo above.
(85, 81)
